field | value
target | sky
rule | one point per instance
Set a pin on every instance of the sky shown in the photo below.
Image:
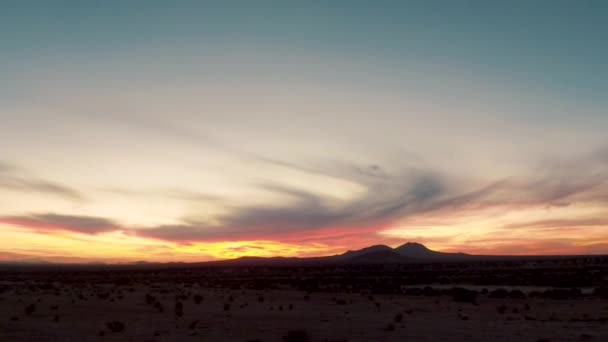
(204, 130)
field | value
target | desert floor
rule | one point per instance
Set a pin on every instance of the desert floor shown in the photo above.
(82, 313)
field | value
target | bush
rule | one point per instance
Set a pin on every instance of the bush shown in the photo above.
(464, 296)
(517, 294)
(116, 326)
(30, 309)
(296, 336)
(601, 292)
(499, 293)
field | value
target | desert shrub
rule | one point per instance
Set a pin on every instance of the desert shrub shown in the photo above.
(198, 299)
(601, 292)
(226, 307)
(150, 299)
(398, 318)
(430, 292)
(261, 299)
(341, 302)
(499, 293)
(390, 327)
(30, 309)
(413, 291)
(562, 294)
(464, 296)
(296, 336)
(179, 309)
(116, 326)
(517, 294)
(444, 280)
(122, 281)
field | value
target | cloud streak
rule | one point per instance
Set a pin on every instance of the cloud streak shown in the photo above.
(407, 195)
(53, 222)
(16, 179)
(391, 197)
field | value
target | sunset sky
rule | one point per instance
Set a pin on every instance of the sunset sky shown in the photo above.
(202, 130)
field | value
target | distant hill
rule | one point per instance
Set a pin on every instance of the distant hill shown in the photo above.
(418, 251)
(410, 252)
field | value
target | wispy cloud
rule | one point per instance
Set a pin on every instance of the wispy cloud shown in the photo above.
(15, 178)
(390, 197)
(54, 222)
(406, 195)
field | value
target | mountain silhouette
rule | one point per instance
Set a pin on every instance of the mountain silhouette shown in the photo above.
(421, 252)
(410, 252)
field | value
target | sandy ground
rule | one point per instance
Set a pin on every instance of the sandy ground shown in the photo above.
(77, 313)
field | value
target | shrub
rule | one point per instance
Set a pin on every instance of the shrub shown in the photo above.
(296, 336)
(464, 296)
(116, 326)
(30, 309)
(517, 294)
(499, 293)
(150, 299)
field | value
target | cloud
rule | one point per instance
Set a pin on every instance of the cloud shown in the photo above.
(561, 223)
(14, 178)
(399, 195)
(54, 222)
(386, 199)
(389, 197)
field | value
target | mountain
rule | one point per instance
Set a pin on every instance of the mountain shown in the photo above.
(410, 252)
(372, 254)
(418, 251)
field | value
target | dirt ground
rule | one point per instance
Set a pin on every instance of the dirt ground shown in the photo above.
(82, 313)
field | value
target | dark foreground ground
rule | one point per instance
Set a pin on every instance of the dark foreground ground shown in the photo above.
(563, 300)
